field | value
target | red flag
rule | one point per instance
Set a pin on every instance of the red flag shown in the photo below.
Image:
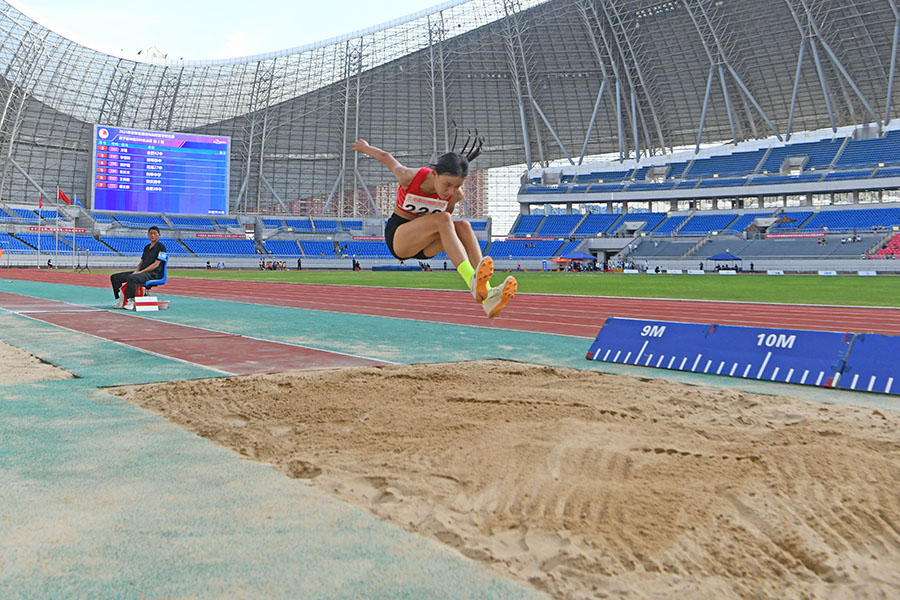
(40, 202)
(62, 196)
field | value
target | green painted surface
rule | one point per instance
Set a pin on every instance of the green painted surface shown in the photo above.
(101, 499)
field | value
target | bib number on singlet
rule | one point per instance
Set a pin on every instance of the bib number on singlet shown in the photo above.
(420, 205)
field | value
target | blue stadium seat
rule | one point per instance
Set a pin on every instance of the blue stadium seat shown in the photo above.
(325, 225)
(854, 218)
(282, 247)
(669, 225)
(301, 225)
(703, 224)
(595, 223)
(523, 249)
(318, 249)
(226, 247)
(193, 223)
(558, 225)
(47, 242)
(14, 246)
(526, 224)
(652, 220)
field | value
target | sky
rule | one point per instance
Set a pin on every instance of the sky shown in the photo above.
(205, 29)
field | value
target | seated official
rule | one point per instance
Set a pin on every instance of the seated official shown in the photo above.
(148, 269)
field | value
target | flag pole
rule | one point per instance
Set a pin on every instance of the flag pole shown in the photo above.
(40, 208)
(56, 237)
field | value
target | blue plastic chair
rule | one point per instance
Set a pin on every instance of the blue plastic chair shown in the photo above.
(164, 259)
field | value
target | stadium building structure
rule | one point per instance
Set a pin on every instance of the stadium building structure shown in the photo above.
(655, 88)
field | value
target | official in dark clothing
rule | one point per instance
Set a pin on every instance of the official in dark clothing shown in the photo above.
(149, 268)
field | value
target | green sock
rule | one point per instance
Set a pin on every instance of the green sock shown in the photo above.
(466, 271)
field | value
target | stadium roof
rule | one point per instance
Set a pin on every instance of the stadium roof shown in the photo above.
(541, 80)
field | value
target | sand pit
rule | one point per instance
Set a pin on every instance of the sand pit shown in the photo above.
(584, 484)
(18, 366)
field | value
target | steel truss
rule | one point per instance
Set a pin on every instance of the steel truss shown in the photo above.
(544, 81)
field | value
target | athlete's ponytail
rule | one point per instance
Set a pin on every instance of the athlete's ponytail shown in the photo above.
(457, 163)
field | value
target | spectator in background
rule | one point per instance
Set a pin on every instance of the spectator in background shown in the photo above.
(298, 264)
(208, 266)
(701, 266)
(751, 267)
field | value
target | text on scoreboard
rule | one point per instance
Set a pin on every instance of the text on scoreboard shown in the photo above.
(156, 171)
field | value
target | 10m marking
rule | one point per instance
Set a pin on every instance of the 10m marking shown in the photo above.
(773, 340)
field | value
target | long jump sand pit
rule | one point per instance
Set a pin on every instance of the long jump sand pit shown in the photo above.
(584, 484)
(19, 366)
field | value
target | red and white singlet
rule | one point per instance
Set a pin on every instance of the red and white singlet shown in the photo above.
(413, 202)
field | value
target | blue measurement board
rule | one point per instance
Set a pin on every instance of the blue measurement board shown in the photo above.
(815, 358)
(873, 364)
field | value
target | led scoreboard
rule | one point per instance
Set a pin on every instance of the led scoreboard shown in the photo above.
(159, 172)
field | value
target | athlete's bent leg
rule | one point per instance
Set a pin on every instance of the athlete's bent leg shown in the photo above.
(430, 232)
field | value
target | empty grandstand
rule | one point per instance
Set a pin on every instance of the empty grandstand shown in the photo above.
(625, 136)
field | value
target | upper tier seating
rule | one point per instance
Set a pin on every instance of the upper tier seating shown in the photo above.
(352, 225)
(700, 224)
(52, 215)
(141, 221)
(301, 225)
(730, 165)
(744, 221)
(669, 225)
(226, 247)
(272, 224)
(798, 216)
(870, 153)
(228, 223)
(820, 154)
(325, 225)
(194, 223)
(25, 215)
(652, 220)
(854, 218)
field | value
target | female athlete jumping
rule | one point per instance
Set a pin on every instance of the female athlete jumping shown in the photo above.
(422, 227)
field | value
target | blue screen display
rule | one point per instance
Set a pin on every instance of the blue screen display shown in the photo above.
(159, 172)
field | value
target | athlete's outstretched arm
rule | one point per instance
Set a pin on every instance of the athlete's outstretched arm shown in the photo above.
(403, 174)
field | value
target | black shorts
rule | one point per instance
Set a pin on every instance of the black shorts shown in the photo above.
(390, 228)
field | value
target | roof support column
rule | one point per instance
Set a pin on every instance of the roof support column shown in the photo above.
(790, 122)
(709, 81)
(587, 136)
(890, 89)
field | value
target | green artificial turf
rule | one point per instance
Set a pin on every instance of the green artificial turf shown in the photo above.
(847, 290)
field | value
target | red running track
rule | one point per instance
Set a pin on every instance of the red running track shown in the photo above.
(580, 316)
